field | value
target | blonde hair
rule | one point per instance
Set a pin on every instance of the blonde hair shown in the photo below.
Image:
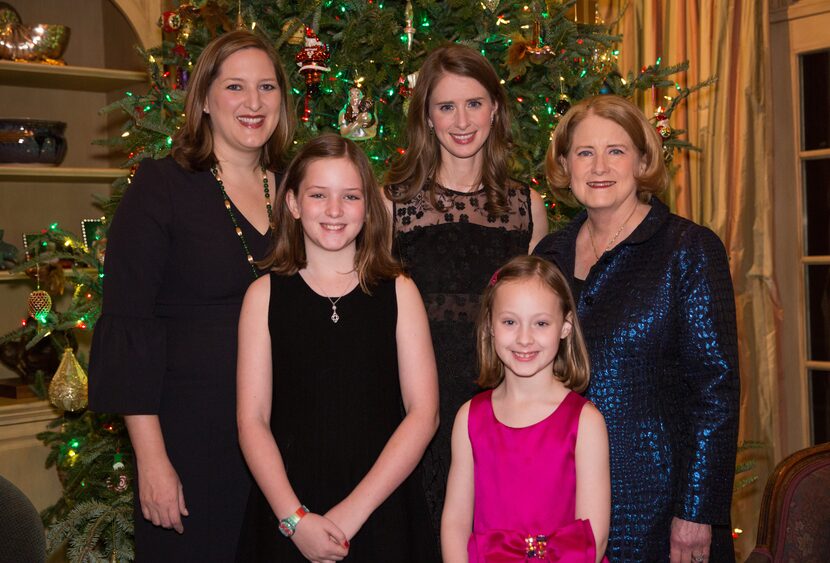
(644, 136)
(571, 365)
(193, 142)
(373, 260)
(419, 164)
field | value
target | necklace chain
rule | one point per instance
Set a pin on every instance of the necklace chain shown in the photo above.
(611, 242)
(265, 190)
(334, 316)
(460, 188)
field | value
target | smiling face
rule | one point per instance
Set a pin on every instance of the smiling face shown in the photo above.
(460, 111)
(527, 325)
(243, 102)
(602, 163)
(330, 204)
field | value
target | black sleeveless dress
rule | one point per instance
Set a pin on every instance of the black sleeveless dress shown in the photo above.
(336, 402)
(451, 252)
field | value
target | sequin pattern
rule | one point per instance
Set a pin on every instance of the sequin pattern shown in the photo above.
(658, 314)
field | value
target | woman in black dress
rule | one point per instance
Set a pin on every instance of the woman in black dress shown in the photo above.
(457, 218)
(181, 253)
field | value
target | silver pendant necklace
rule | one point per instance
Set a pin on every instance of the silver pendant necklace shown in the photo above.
(334, 316)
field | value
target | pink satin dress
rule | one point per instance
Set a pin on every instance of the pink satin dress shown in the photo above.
(525, 487)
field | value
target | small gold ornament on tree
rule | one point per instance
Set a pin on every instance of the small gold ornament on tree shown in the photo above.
(39, 305)
(357, 122)
(68, 389)
(409, 15)
(523, 52)
(39, 302)
(297, 30)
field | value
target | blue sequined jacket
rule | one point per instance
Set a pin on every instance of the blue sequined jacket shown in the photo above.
(658, 314)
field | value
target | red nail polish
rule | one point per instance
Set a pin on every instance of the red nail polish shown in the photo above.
(346, 543)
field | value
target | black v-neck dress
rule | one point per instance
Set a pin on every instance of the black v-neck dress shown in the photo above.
(166, 344)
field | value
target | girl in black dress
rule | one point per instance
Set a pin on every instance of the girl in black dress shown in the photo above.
(180, 256)
(337, 392)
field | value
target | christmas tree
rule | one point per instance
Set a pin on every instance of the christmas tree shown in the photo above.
(329, 47)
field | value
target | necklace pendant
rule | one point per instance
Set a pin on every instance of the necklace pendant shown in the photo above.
(334, 316)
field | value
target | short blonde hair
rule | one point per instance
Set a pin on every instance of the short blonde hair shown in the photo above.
(644, 136)
(571, 366)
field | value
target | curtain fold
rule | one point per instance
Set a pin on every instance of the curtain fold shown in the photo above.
(727, 186)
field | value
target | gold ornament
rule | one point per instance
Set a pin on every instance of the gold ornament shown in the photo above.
(298, 36)
(491, 4)
(68, 389)
(39, 304)
(356, 119)
(409, 15)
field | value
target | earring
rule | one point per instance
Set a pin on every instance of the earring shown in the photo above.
(492, 118)
(432, 130)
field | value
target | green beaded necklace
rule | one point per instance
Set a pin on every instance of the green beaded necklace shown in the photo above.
(237, 228)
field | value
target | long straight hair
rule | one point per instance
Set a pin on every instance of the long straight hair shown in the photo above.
(419, 164)
(571, 365)
(373, 259)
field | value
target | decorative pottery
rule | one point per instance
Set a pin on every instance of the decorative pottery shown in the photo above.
(32, 140)
(37, 42)
(8, 14)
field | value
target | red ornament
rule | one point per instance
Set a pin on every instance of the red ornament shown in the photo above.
(170, 22)
(663, 127)
(180, 51)
(312, 60)
(403, 88)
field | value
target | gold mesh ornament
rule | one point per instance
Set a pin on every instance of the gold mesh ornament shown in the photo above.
(68, 389)
(39, 303)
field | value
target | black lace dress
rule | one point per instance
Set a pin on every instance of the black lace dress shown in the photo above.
(451, 254)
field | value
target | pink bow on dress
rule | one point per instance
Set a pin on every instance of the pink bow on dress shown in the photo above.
(573, 543)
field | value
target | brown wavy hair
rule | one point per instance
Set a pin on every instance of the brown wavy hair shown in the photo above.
(193, 142)
(419, 164)
(373, 260)
(643, 134)
(571, 365)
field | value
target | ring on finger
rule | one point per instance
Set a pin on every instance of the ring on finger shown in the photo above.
(698, 558)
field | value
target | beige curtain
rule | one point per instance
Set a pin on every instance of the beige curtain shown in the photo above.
(727, 186)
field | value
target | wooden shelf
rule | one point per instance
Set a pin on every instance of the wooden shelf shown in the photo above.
(53, 77)
(6, 276)
(59, 173)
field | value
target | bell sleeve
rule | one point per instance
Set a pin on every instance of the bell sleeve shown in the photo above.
(128, 354)
(710, 383)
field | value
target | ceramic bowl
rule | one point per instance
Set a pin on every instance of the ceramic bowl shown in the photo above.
(32, 141)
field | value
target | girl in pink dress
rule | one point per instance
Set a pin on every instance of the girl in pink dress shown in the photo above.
(529, 477)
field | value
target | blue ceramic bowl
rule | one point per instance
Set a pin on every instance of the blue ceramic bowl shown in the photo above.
(32, 140)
